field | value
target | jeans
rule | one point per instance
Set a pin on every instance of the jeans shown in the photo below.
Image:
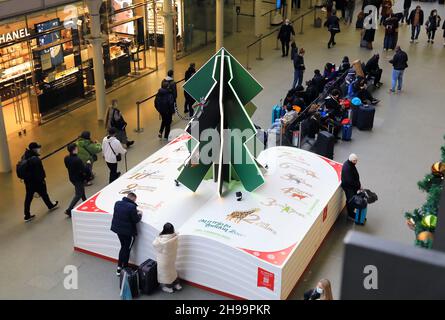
(431, 34)
(79, 188)
(39, 188)
(165, 124)
(113, 172)
(298, 78)
(397, 76)
(415, 30)
(124, 253)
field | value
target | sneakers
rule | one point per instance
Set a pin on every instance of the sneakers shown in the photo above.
(178, 287)
(29, 218)
(167, 289)
(411, 41)
(416, 41)
(54, 206)
(392, 91)
(118, 271)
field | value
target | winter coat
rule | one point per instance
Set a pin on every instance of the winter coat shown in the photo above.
(391, 25)
(166, 247)
(36, 173)
(372, 64)
(399, 61)
(115, 119)
(285, 32)
(76, 168)
(125, 217)
(350, 179)
(87, 150)
(111, 147)
(171, 86)
(165, 102)
(413, 14)
(333, 24)
(433, 23)
(299, 62)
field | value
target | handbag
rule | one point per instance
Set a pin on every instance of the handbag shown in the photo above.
(118, 156)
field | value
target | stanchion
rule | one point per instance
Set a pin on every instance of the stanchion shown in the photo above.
(248, 57)
(138, 117)
(277, 47)
(302, 21)
(259, 49)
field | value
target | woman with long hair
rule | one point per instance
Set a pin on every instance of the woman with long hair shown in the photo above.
(322, 291)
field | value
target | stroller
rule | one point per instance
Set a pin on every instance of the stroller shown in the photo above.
(360, 202)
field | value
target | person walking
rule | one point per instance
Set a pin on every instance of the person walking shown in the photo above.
(406, 7)
(34, 178)
(165, 105)
(125, 218)
(415, 20)
(432, 24)
(77, 172)
(166, 247)
(350, 182)
(170, 84)
(115, 119)
(87, 152)
(322, 291)
(399, 63)
(333, 25)
(189, 101)
(298, 68)
(284, 35)
(349, 11)
(112, 151)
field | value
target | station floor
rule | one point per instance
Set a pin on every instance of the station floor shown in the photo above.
(405, 141)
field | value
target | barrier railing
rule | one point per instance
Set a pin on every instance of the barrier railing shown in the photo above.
(259, 41)
(139, 129)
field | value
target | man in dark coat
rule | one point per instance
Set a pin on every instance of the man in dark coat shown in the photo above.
(372, 69)
(284, 35)
(170, 84)
(77, 172)
(165, 105)
(350, 182)
(125, 217)
(189, 101)
(35, 180)
(415, 19)
(399, 63)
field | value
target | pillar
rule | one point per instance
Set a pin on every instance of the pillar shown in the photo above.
(169, 33)
(258, 18)
(219, 24)
(98, 62)
(5, 161)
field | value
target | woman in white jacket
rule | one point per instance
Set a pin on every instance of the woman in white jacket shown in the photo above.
(166, 246)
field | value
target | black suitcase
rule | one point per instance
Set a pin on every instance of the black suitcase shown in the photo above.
(148, 276)
(324, 145)
(133, 280)
(365, 117)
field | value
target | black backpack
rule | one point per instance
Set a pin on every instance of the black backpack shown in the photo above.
(22, 168)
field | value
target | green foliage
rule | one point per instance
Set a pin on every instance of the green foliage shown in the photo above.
(433, 186)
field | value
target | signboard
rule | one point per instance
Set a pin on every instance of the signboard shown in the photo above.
(14, 35)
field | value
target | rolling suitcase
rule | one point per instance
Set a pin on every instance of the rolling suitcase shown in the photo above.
(360, 215)
(148, 276)
(365, 117)
(346, 132)
(133, 280)
(324, 145)
(277, 112)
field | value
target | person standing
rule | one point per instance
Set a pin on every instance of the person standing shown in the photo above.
(415, 20)
(112, 151)
(406, 7)
(432, 24)
(350, 182)
(34, 179)
(189, 101)
(399, 63)
(298, 68)
(333, 25)
(285, 33)
(323, 291)
(77, 173)
(125, 218)
(87, 152)
(166, 247)
(115, 119)
(391, 24)
(170, 84)
(349, 11)
(165, 105)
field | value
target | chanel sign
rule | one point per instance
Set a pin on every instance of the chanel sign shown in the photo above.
(14, 35)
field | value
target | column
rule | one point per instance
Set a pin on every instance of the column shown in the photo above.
(98, 62)
(258, 18)
(219, 24)
(168, 34)
(5, 162)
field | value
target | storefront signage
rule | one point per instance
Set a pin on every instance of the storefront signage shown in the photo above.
(14, 35)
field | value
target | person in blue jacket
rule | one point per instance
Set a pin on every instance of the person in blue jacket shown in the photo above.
(125, 218)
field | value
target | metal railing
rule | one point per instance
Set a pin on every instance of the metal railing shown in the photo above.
(259, 41)
(139, 129)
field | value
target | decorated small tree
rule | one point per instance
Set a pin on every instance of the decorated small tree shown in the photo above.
(423, 220)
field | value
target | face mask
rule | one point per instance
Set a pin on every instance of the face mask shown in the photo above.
(37, 151)
(319, 290)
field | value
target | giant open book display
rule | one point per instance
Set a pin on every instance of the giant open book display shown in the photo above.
(256, 248)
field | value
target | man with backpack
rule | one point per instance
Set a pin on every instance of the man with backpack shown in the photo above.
(30, 170)
(165, 105)
(77, 172)
(170, 84)
(87, 152)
